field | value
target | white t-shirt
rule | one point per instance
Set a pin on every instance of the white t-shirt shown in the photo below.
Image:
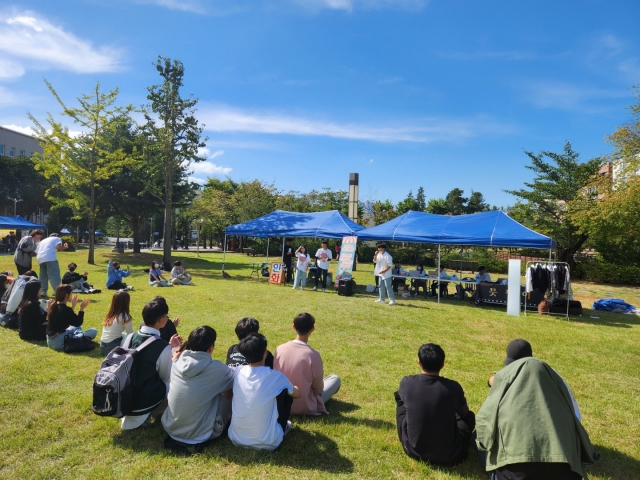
(383, 260)
(114, 331)
(303, 261)
(254, 422)
(323, 255)
(485, 277)
(46, 249)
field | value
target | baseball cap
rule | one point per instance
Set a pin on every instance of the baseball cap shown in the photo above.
(518, 349)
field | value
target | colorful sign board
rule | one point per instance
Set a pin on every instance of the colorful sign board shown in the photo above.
(277, 274)
(347, 257)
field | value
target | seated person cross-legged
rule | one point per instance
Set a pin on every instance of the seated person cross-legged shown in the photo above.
(262, 399)
(199, 400)
(434, 422)
(303, 366)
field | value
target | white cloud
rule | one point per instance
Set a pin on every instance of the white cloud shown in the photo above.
(349, 5)
(33, 42)
(424, 130)
(566, 96)
(205, 152)
(208, 168)
(16, 128)
(370, 161)
(194, 6)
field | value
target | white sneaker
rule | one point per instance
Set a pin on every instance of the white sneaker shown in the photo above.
(392, 302)
(288, 427)
(129, 287)
(314, 289)
(77, 290)
(379, 301)
(324, 290)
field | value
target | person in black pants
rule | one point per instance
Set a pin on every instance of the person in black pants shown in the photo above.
(323, 256)
(287, 256)
(434, 422)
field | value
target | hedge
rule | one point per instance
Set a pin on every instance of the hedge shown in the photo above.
(606, 273)
(71, 241)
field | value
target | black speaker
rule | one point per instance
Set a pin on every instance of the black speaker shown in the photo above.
(345, 287)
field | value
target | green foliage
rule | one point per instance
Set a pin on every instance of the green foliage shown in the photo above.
(437, 206)
(71, 241)
(456, 203)
(409, 203)
(547, 206)
(601, 272)
(476, 203)
(383, 211)
(21, 180)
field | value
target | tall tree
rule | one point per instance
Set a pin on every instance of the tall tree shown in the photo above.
(80, 162)
(409, 203)
(456, 203)
(476, 203)
(421, 200)
(22, 186)
(174, 139)
(383, 211)
(437, 206)
(547, 207)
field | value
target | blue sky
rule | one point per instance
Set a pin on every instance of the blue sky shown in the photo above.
(408, 93)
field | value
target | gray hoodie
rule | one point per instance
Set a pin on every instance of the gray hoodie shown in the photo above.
(195, 397)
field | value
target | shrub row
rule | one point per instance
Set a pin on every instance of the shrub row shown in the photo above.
(606, 273)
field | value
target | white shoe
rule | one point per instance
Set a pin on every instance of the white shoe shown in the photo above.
(129, 287)
(314, 289)
(378, 301)
(77, 290)
(392, 302)
(324, 290)
(288, 427)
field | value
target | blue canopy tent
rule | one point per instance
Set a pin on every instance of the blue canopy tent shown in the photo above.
(330, 224)
(19, 222)
(486, 229)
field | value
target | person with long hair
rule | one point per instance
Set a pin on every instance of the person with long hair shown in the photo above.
(301, 267)
(32, 319)
(116, 322)
(4, 283)
(63, 321)
(199, 400)
(156, 279)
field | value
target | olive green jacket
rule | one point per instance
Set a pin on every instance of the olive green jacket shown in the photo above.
(528, 417)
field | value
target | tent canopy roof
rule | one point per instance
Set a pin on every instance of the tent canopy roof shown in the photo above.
(486, 229)
(18, 222)
(330, 224)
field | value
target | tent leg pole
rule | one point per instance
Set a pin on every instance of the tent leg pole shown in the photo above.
(438, 273)
(224, 251)
(267, 250)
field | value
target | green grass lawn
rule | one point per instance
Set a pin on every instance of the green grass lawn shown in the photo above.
(47, 429)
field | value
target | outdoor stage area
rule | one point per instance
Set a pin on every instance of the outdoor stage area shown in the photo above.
(47, 429)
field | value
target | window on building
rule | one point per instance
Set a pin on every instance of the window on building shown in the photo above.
(22, 153)
(1, 149)
(12, 152)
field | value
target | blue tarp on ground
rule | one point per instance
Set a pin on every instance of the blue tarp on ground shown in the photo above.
(331, 224)
(18, 222)
(613, 304)
(486, 229)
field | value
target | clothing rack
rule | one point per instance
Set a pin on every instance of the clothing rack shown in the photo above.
(568, 293)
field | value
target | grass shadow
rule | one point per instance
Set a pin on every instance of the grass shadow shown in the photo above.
(300, 449)
(606, 319)
(615, 464)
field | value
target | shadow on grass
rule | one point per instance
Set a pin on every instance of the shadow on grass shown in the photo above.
(615, 464)
(607, 319)
(337, 410)
(300, 449)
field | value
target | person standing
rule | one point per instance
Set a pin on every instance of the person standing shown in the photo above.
(323, 256)
(49, 267)
(382, 270)
(26, 250)
(287, 257)
(301, 268)
(12, 242)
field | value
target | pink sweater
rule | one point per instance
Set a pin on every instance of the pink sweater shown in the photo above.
(302, 365)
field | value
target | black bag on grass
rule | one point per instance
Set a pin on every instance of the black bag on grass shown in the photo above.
(78, 344)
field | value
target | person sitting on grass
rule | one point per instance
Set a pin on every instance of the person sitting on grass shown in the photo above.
(12, 298)
(244, 327)
(32, 320)
(433, 420)
(153, 368)
(170, 328)
(528, 427)
(62, 320)
(179, 275)
(302, 365)
(115, 275)
(116, 322)
(77, 281)
(262, 399)
(199, 400)
(156, 279)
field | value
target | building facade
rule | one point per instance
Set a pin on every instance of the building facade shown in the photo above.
(16, 144)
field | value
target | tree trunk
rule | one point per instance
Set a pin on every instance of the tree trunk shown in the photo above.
(135, 223)
(92, 222)
(168, 211)
(567, 254)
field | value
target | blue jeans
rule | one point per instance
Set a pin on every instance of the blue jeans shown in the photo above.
(57, 343)
(49, 273)
(300, 277)
(385, 288)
